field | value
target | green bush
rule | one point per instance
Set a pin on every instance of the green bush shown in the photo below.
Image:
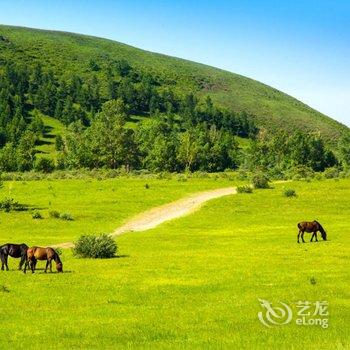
(244, 189)
(45, 165)
(9, 204)
(54, 214)
(242, 175)
(97, 247)
(331, 173)
(58, 250)
(181, 178)
(260, 180)
(37, 215)
(300, 172)
(289, 192)
(66, 216)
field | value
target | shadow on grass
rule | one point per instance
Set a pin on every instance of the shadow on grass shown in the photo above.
(41, 271)
(123, 256)
(10, 206)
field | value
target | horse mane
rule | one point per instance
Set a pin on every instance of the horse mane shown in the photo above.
(320, 226)
(57, 258)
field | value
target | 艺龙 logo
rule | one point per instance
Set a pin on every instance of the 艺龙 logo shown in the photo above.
(307, 314)
(274, 315)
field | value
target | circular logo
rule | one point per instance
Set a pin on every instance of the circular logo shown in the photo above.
(274, 315)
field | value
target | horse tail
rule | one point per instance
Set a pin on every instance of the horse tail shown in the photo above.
(299, 226)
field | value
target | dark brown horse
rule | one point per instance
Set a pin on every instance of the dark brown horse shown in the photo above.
(38, 253)
(15, 251)
(311, 226)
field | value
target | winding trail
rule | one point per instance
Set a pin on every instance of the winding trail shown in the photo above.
(156, 216)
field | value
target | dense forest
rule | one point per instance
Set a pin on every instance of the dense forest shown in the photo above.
(122, 117)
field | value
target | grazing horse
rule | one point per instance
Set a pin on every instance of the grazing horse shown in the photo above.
(311, 226)
(38, 253)
(15, 251)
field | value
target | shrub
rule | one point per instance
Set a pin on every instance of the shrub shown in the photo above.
(244, 189)
(97, 247)
(37, 215)
(300, 172)
(9, 204)
(181, 178)
(331, 173)
(66, 216)
(45, 165)
(54, 214)
(289, 192)
(59, 251)
(242, 175)
(260, 180)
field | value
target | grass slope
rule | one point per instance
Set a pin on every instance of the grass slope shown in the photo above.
(273, 109)
(191, 283)
(46, 145)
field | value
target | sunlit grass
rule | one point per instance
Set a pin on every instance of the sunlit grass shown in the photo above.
(193, 282)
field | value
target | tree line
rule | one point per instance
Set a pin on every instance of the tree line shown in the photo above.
(177, 132)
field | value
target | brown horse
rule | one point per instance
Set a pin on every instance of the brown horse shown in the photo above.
(311, 226)
(38, 253)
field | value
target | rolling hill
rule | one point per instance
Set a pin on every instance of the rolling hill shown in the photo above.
(271, 109)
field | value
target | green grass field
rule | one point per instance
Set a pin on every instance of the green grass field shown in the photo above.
(190, 283)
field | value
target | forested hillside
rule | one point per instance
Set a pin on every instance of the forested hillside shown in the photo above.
(124, 107)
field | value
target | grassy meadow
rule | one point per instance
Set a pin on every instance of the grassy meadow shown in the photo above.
(97, 206)
(190, 283)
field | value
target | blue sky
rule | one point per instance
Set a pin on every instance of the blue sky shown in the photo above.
(299, 47)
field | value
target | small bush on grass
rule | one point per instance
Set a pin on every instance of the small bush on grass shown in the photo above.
(97, 247)
(54, 214)
(244, 189)
(289, 192)
(66, 216)
(9, 204)
(37, 215)
(260, 180)
(331, 173)
(300, 172)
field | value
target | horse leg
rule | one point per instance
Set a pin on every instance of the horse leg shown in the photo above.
(22, 261)
(33, 264)
(51, 265)
(299, 235)
(6, 262)
(316, 236)
(302, 237)
(2, 261)
(25, 266)
(47, 265)
(312, 236)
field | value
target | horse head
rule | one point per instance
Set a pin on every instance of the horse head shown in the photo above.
(322, 230)
(59, 267)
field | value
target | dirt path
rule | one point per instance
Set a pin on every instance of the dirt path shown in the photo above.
(156, 216)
